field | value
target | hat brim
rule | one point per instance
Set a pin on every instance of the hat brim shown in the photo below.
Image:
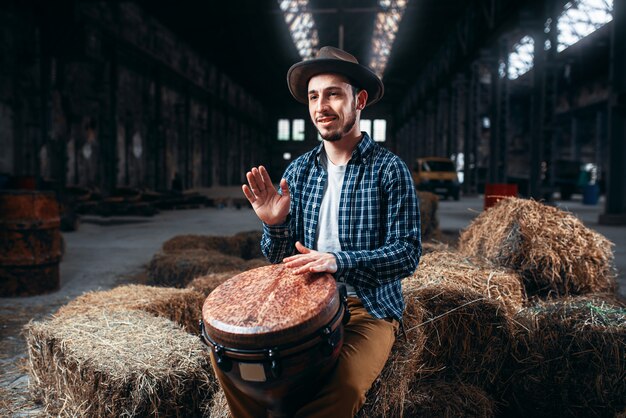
(300, 73)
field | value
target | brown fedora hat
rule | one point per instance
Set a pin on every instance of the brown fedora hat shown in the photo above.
(337, 61)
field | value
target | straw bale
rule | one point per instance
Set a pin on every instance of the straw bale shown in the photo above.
(118, 363)
(178, 268)
(466, 320)
(246, 245)
(256, 263)
(569, 358)
(223, 244)
(554, 252)
(206, 284)
(249, 244)
(432, 246)
(219, 406)
(183, 306)
(390, 392)
(6, 407)
(429, 221)
(440, 399)
(491, 281)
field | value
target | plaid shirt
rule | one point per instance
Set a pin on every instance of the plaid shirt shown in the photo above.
(379, 226)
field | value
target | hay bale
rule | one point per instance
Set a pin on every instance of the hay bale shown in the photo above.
(219, 406)
(222, 244)
(554, 252)
(256, 263)
(493, 282)
(450, 399)
(391, 390)
(249, 244)
(455, 322)
(206, 284)
(118, 363)
(433, 246)
(178, 268)
(429, 222)
(246, 245)
(465, 321)
(438, 399)
(569, 359)
(183, 306)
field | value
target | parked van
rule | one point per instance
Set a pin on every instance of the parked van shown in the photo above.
(436, 175)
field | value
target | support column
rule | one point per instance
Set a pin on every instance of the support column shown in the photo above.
(543, 100)
(499, 101)
(615, 208)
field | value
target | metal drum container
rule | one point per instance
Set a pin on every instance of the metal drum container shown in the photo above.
(30, 243)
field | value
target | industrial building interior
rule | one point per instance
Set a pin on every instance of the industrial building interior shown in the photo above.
(139, 120)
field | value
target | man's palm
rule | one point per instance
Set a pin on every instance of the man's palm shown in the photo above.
(270, 206)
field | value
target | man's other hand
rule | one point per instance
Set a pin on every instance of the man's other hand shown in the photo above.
(311, 261)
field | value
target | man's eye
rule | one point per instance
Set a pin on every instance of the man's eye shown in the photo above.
(312, 97)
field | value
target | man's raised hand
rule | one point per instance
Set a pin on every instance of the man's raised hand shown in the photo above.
(270, 206)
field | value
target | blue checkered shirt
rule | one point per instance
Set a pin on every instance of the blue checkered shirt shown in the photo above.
(379, 225)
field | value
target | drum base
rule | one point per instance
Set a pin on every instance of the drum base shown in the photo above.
(285, 396)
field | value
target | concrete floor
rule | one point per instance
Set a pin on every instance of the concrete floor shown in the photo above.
(105, 252)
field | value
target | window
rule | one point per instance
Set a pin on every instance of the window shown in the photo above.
(380, 130)
(521, 59)
(581, 18)
(366, 126)
(385, 27)
(297, 131)
(283, 129)
(301, 26)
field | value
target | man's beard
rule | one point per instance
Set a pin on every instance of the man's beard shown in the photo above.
(334, 136)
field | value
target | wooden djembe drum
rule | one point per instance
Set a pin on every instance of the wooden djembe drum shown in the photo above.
(275, 334)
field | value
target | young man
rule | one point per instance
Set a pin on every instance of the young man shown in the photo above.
(348, 208)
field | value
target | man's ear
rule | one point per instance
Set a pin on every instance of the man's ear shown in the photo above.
(361, 99)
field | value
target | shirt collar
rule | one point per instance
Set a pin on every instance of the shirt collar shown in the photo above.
(360, 153)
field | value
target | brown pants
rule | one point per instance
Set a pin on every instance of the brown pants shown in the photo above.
(366, 347)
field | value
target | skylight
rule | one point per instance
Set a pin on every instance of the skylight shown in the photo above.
(301, 26)
(521, 59)
(580, 18)
(386, 26)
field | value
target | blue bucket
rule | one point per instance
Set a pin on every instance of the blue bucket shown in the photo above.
(591, 194)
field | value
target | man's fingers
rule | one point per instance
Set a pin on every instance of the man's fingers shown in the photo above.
(301, 248)
(252, 181)
(265, 177)
(284, 187)
(248, 193)
(258, 180)
(297, 260)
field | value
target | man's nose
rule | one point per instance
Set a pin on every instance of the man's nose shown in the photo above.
(322, 104)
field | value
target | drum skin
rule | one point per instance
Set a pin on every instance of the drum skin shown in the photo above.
(281, 333)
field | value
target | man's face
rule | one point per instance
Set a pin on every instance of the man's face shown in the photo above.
(333, 106)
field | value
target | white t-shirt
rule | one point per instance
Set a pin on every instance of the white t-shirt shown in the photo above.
(327, 239)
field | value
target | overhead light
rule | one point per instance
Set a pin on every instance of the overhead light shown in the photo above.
(301, 26)
(385, 29)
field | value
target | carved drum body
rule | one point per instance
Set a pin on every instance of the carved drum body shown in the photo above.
(275, 334)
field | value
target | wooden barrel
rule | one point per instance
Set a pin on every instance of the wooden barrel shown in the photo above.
(30, 243)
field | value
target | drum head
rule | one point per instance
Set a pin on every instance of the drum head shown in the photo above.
(269, 306)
